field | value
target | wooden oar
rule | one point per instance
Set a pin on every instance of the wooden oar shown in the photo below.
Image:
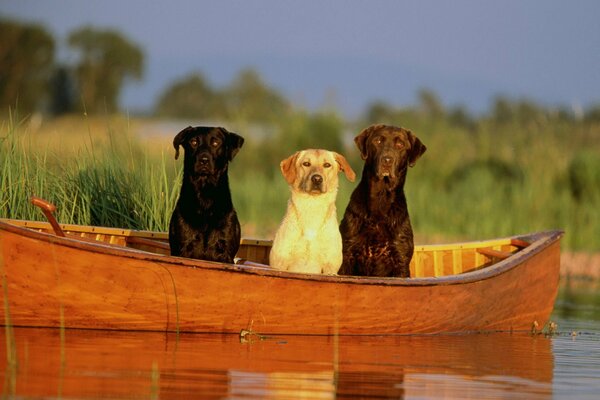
(48, 208)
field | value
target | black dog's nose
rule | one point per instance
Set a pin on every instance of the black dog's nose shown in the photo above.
(203, 160)
(316, 179)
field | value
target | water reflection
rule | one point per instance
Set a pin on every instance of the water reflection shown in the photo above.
(97, 364)
(578, 298)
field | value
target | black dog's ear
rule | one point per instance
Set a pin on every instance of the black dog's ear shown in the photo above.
(234, 143)
(361, 139)
(417, 148)
(180, 138)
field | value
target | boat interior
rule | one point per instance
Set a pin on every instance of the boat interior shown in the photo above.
(428, 260)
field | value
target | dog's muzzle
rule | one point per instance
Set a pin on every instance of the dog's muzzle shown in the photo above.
(386, 166)
(204, 164)
(316, 184)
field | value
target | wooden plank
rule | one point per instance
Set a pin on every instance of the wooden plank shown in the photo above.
(419, 267)
(501, 255)
(457, 265)
(438, 264)
(519, 243)
(149, 242)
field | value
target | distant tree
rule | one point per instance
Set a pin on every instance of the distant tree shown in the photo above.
(106, 61)
(26, 63)
(502, 111)
(190, 97)
(302, 130)
(62, 91)
(249, 98)
(460, 117)
(522, 112)
(378, 112)
(528, 112)
(593, 114)
(430, 104)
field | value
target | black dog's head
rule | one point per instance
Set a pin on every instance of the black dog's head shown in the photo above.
(388, 150)
(208, 151)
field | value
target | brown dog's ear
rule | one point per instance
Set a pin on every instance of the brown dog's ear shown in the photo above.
(288, 168)
(417, 148)
(180, 138)
(361, 139)
(361, 142)
(234, 143)
(345, 166)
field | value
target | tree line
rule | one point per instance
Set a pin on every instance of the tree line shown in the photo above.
(32, 80)
(105, 60)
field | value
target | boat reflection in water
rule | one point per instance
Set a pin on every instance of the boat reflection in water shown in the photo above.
(97, 364)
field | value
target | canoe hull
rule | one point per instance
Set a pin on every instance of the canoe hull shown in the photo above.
(58, 282)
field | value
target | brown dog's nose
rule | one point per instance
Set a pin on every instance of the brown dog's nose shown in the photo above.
(387, 160)
(316, 179)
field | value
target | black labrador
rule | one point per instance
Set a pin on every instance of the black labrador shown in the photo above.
(377, 237)
(204, 224)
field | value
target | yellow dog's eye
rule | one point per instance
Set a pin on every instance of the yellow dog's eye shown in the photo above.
(327, 165)
(306, 163)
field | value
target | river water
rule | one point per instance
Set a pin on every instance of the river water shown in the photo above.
(84, 364)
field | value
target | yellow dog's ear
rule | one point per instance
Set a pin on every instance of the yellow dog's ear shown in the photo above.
(344, 166)
(288, 168)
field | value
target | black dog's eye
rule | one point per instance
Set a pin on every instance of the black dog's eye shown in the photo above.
(306, 163)
(194, 142)
(327, 165)
(215, 142)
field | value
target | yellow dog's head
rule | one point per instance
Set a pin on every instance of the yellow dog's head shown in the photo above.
(315, 171)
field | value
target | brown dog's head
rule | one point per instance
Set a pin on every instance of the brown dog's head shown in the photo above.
(388, 150)
(315, 171)
(208, 151)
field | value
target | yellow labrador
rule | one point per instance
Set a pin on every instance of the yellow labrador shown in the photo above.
(308, 239)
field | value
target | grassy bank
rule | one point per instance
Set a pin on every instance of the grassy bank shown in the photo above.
(490, 182)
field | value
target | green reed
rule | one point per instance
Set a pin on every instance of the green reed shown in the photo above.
(10, 381)
(114, 184)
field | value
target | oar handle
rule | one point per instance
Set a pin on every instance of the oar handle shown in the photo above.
(48, 208)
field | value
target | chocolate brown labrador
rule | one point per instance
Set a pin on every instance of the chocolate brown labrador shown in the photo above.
(377, 236)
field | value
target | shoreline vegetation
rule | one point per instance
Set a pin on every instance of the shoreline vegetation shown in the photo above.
(478, 181)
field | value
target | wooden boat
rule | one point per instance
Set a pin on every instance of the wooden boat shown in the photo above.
(109, 278)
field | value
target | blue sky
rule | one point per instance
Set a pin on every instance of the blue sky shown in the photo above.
(352, 52)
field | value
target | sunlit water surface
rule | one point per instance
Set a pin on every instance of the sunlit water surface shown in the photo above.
(50, 363)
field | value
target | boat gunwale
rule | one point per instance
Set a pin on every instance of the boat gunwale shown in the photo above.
(538, 242)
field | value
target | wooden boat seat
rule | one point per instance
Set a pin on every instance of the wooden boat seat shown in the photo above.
(495, 253)
(501, 255)
(157, 244)
(241, 261)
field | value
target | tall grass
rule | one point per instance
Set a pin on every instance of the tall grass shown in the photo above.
(505, 182)
(114, 182)
(468, 185)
